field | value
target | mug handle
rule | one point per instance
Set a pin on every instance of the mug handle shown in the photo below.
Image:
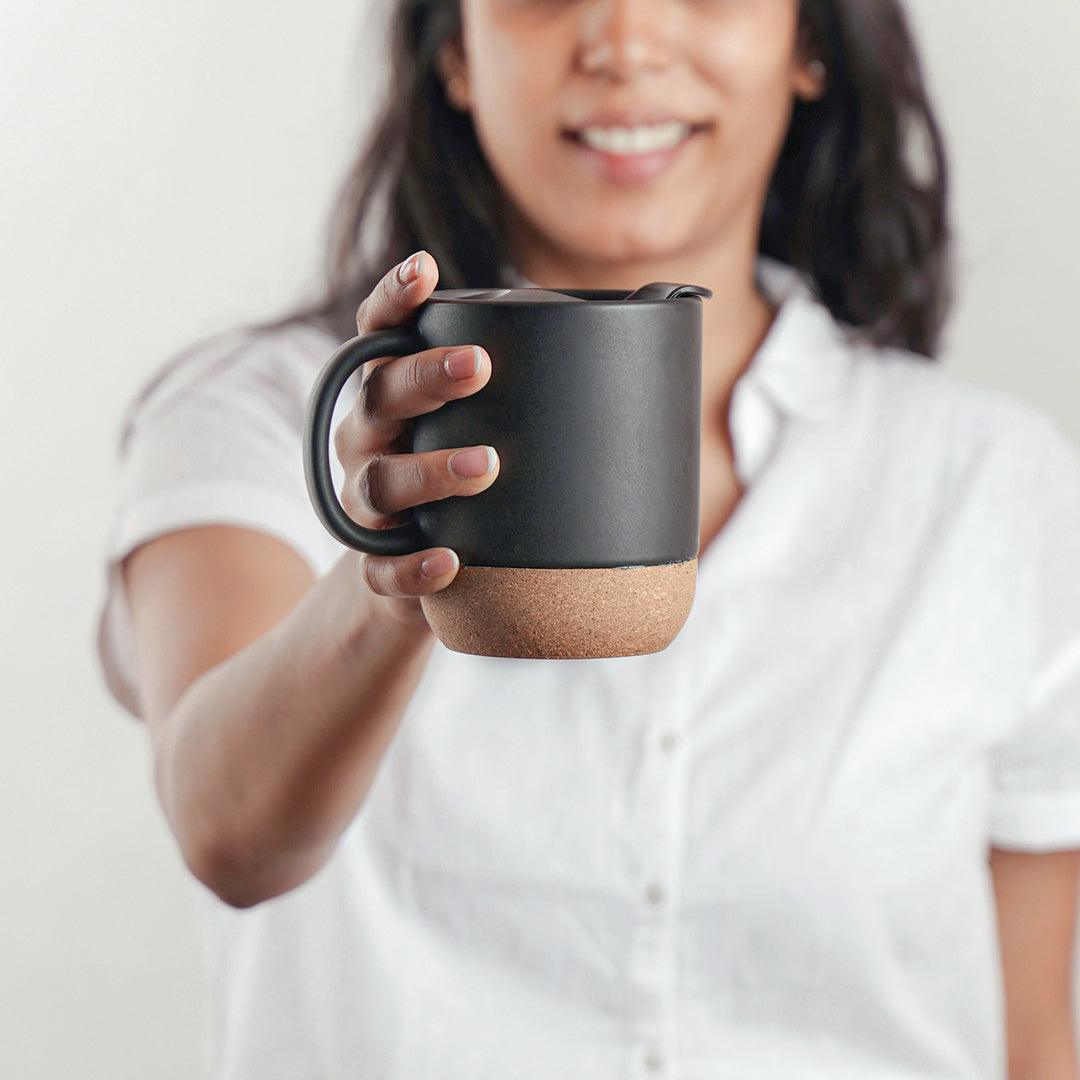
(397, 540)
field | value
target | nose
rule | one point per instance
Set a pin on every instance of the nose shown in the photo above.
(624, 38)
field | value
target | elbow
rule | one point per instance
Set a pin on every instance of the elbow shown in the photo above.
(218, 867)
(237, 860)
(242, 874)
(211, 853)
(237, 896)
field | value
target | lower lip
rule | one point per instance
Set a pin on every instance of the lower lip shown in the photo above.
(630, 169)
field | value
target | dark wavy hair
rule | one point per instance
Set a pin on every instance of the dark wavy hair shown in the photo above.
(857, 201)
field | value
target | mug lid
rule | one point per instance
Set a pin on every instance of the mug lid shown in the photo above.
(651, 293)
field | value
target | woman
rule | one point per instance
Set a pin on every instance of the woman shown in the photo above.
(832, 830)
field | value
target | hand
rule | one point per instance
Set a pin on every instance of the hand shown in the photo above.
(381, 478)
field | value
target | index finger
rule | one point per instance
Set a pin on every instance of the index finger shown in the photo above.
(398, 293)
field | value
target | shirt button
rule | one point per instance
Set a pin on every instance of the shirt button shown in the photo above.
(654, 893)
(654, 1060)
(667, 741)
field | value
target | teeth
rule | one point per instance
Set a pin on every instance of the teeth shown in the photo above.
(643, 139)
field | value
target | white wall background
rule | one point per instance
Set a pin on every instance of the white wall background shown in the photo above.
(166, 171)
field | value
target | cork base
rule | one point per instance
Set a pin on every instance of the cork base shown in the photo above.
(555, 614)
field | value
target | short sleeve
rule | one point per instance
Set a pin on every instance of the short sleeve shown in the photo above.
(213, 437)
(1036, 769)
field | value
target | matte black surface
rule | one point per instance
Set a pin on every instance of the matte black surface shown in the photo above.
(593, 408)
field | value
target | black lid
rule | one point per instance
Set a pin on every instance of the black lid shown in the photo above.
(654, 291)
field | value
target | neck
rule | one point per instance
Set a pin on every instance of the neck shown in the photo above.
(734, 321)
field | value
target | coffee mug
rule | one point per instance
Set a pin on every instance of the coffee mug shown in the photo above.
(585, 544)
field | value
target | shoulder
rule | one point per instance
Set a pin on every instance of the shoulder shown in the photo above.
(938, 411)
(988, 481)
(817, 365)
(253, 368)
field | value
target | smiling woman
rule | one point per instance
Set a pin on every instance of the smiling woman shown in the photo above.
(812, 138)
(730, 69)
(833, 829)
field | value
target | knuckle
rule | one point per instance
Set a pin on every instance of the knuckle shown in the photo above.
(415, 375)
(399, 578)
(385, 575)
(342, 441)
(364, 496)
(371, 484)
(373, 307)
(363, 315)
(367, 397)
(350, 503)
(372, 495)
(370, 575)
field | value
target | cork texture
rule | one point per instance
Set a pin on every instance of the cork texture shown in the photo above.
(556, 614)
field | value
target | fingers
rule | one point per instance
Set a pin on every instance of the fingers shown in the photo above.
(398, 293)
(423, 572)
(388, 484)
(379, 485)
(403, 387)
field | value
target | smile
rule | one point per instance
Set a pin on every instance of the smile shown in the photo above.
(633, 155)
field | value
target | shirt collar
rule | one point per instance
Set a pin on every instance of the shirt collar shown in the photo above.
(804, 364)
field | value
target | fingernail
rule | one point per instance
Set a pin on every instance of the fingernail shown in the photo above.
(411, 268)
(476, 461)
(462, 363)
(442, 562)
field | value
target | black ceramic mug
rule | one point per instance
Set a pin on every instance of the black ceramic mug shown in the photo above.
(585, 544)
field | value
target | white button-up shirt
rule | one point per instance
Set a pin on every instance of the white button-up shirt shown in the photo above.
(759, 853)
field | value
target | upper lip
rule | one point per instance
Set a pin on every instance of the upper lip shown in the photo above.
(631, 117)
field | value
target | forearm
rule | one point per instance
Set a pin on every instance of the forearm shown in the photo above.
(1050, 1055)
(268, 756)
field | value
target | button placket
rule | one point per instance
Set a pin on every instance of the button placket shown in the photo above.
(660, 850)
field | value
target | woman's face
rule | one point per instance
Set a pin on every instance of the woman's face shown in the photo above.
(535, 73)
